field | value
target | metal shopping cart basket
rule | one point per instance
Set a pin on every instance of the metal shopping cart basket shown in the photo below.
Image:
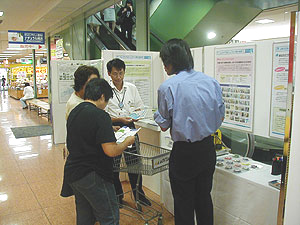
(147, 160)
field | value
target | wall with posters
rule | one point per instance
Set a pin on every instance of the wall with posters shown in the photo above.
(62, 78)
(260, 98)
(235, 71)
(144, 69)
(279, 88)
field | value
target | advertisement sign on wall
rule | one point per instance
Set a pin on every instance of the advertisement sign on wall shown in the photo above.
(234, 69)
(279, 88)
(26, 39)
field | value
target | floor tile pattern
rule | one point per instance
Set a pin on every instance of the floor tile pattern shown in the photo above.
(31, 171)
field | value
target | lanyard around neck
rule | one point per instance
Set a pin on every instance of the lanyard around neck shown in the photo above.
(121, 104)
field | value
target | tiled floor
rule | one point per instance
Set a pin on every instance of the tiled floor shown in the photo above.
(31, 172)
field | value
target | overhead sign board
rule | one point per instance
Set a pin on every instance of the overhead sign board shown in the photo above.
(26, 37)
(26, 46)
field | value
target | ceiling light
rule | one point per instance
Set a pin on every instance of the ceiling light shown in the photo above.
(211, 35)
(11, 52)
(3, 197)
(13, 49)
(264, 21)
(1, 13)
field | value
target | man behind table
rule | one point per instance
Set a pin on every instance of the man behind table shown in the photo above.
(126, 100)
(190, 103)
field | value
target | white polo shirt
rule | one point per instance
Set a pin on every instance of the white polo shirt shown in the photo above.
(28, 92)
(128, 96)
(73, 101)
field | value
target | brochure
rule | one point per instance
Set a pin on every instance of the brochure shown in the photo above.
(124, 132)
(139, 114)
(275, 183)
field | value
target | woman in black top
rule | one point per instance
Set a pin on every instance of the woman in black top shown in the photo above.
(127, 22)
(88, 172)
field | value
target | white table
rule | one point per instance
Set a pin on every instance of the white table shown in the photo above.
(239, 199)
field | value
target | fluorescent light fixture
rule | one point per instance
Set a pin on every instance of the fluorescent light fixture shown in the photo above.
(13, 49)
(11, 52)
(211, 35)
(3, 197)
(1, 13)
(7, 54)
(264, 21)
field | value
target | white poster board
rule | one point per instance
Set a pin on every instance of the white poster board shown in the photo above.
(197, 54)
(279, 89)
(235, 71)
(138, 72)
(62, 77)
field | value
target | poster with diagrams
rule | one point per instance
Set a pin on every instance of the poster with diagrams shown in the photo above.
(235, 71)
(138, 71)
(65, 73)
(279, 88)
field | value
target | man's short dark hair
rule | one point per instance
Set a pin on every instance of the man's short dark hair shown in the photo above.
(97, 87)
(82, 75)
(27, 84)
(176, 52)
(117, 63)
(128, 2)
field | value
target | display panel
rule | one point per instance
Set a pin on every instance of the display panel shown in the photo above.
(138, 72)
(235, 71)
(279, 88)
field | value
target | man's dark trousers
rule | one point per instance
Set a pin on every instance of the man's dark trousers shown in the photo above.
(192, 166)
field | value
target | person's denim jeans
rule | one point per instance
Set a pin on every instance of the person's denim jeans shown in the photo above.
(95, 200)
(23, 101)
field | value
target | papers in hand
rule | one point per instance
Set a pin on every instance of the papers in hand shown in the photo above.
(138, 114)
(124, 132)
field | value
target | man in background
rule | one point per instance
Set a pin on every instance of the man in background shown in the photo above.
(126, 100)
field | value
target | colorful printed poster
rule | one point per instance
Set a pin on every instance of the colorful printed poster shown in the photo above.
(235, 71)
(138, 71)
(279, 88)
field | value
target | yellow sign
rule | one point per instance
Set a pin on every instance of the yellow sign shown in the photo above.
(28, 70)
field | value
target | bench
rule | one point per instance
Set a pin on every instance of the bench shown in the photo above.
(43, 108)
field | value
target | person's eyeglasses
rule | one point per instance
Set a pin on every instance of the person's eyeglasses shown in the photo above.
(120, 74)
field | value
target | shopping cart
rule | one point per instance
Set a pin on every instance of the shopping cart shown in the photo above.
(149, 160)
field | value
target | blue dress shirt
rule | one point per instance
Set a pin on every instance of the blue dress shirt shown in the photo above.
(191, 104)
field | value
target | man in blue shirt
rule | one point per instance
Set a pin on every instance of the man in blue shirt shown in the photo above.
(191, 105)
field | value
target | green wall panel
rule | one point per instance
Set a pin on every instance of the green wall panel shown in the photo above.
(176, 18)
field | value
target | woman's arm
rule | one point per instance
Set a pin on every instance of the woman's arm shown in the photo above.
(113, 149)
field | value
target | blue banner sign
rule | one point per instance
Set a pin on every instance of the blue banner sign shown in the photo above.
(26, 37)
